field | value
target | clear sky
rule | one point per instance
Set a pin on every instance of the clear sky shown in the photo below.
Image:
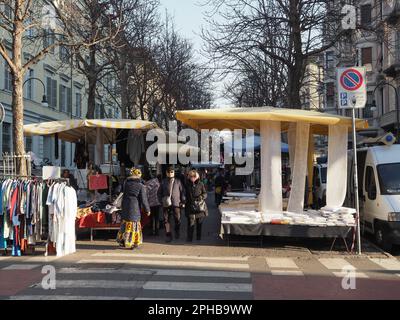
(189, 19)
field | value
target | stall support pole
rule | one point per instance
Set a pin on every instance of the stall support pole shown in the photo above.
(357, 200)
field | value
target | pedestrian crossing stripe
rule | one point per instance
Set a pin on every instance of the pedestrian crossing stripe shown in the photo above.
(67, 297)
(21, 267)
(198, 286)
(388, 264)
(158, 272)
(196, 264)
(281, 263)
(164, 256)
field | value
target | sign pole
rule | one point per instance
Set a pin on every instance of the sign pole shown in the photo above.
(357, 200)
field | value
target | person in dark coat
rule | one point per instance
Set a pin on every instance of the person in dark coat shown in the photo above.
(133, 201)
(173, 190)
(196, 208)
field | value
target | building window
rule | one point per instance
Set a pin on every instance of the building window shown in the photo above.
(65, 98)
(367, 112)
(64, 51)
(51, 92)
(78, 104)
(49, 39)
(7, 77)
(99, 111)
(30, 33)
(28, 144)
(29, 89)
(6, 144)
(330, 60)
(63, 153)
(366, 15)
(366, 56)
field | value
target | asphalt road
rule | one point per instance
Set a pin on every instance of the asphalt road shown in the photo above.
(208, 269)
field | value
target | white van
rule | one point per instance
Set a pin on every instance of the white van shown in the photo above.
(379, 192)
(319, 184)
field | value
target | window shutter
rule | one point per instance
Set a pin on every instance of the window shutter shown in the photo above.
(366, 56)
(366, 18)
(61, 98)
(54, 93)
(69, 101)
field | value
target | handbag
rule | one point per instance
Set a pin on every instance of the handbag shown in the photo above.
(167, 200)
(199, 206)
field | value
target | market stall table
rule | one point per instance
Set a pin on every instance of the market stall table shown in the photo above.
(269, 217)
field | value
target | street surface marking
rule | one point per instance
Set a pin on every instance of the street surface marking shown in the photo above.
(141, 255)
(281, 263)
(169, 263)
(158, 272)
(42, 259)
(167, 299)
(66, 297)
(335, 263)
(105, 271)
(198, 286)
(106, 284)
(287, 273)
(21, 267)
(388, 264)
(342, 274)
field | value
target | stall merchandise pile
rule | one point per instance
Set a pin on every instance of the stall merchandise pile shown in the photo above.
(323, 218)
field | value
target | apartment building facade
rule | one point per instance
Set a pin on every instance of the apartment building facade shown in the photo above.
(65, 89)
(376, 46)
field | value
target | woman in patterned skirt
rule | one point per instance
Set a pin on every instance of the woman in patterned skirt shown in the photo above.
(133, 201)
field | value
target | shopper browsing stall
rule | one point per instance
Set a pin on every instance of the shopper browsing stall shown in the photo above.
(173, 200)
(134, 199)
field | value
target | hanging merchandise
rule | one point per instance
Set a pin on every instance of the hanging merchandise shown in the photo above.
(62, 204)
(81, 157)
(98, 182)
(135, 146)
(25, 217)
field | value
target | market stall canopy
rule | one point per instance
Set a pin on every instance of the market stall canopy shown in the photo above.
(75, 130)
(251, 143)
(249, 118)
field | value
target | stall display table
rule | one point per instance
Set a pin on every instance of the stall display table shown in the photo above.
(242, 218)
(95, 221)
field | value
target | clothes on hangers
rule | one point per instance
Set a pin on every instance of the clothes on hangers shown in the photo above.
(32, 210)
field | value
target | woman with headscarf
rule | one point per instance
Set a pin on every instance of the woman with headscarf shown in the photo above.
(196, 207)
(133, 201)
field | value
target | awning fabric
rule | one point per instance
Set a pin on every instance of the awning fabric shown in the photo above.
(74, 130)
(249, 118)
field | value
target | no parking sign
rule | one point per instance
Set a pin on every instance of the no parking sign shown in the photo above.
(351, 87)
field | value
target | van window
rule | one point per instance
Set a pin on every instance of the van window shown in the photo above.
(389, 178)
(370, 184)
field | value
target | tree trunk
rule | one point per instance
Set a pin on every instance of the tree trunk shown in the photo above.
(17, 93)
(295, 74)
(91, 97)
(124, 91)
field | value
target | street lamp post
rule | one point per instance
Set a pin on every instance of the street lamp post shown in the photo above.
(397, 107)
(44, 98)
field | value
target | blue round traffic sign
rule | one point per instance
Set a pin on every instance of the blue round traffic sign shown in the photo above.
(351, 80)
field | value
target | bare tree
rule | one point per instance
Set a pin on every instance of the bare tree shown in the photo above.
(286, 32)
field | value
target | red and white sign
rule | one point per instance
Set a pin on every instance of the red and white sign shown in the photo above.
(351, 87)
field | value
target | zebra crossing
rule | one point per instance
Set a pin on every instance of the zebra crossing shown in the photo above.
(130, 276)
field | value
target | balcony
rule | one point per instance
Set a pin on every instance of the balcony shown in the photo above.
(391, 11)
(388, 120)
(393, 68)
